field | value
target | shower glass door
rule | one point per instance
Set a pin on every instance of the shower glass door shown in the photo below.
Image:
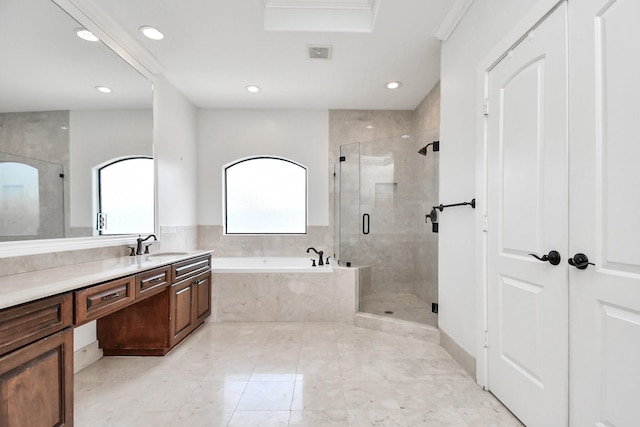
(382, 199)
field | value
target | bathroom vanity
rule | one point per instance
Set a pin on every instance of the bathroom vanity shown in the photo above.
(143, 306)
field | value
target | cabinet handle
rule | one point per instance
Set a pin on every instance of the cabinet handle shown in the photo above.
(199, 282)
(110, 296)
(156, 280)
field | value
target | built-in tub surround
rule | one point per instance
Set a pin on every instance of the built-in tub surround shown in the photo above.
(268, 265)
(254, 292)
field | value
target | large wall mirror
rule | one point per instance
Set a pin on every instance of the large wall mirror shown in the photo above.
(59, 128)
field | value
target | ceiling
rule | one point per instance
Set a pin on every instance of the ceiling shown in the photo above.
(213, 49)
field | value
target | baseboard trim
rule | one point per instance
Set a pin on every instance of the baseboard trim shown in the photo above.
(86, 356)
(459, 354)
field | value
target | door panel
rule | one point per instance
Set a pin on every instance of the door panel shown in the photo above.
(617, 148)
(520, 147)
(527, 213)
(605, 298)
(519, 305)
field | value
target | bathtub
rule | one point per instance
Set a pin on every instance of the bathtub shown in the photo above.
(280, 289)
(267, 265)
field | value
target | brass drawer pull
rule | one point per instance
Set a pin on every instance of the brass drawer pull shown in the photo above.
(110, 296)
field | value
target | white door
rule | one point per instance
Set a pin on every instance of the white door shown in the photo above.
(605, 212)
(527, 214)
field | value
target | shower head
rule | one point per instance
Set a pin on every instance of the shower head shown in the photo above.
(436, 147)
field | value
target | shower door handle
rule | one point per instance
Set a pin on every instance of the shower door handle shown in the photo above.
(365, 224)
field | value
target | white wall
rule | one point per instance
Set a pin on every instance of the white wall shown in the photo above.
(227, 135)
(175, 137)
(96, 137)
(486, 24)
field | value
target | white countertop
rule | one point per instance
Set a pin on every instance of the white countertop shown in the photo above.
(24, 287)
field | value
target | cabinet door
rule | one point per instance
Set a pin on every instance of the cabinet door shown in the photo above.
(36, 383)
(181, 310)
(202, 297)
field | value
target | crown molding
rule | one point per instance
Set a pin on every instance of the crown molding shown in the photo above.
(451, 19)
(114, 35)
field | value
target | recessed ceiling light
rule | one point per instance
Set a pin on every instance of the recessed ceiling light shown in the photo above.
(369, 127)
(103, 89)
(405, 136)
(393, 85)
(151, 33)
(85, 34)
(253, 88)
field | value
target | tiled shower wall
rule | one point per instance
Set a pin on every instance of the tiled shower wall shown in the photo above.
(407, 258)
(42, 136)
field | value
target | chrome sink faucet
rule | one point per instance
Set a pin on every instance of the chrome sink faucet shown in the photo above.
(140, 240)
(320, 253)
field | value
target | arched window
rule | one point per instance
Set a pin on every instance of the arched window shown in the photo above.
(126, 196)
(265, 195)
(19, 199)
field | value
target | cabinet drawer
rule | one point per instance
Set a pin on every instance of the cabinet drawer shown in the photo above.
(29, 322)
(152, 282)
(100, 300)
(182, 270)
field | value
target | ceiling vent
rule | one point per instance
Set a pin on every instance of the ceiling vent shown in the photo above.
(320, 52)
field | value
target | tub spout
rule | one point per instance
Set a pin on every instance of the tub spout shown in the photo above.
(320, 253)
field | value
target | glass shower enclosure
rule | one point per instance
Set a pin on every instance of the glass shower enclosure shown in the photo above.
(383, 190)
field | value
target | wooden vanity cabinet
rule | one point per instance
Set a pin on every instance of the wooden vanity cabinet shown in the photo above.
(156, 323)
(36, 363)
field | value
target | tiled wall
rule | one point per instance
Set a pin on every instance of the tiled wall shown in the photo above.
(279, 297)
(403, 250)
(42, 136)
(212, 237)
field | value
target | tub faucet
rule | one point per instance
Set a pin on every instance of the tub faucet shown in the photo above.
(140, 240)
(320, 253)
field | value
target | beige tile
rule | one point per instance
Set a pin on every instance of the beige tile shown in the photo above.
(215, 396)
(259, 419)
(202, 418)
(279, 374)
(377, 417)
(318, 396)
(267, 396)
(364, 395)
(318, 418)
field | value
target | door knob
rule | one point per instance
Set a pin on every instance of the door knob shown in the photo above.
(553, 257)
(580, 261)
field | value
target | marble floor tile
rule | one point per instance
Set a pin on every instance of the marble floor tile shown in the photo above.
(267, 396)
(318, 396)
(286, 374)
(318, 418)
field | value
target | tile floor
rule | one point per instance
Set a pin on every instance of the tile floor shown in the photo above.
(286, 374)
(407, 307)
